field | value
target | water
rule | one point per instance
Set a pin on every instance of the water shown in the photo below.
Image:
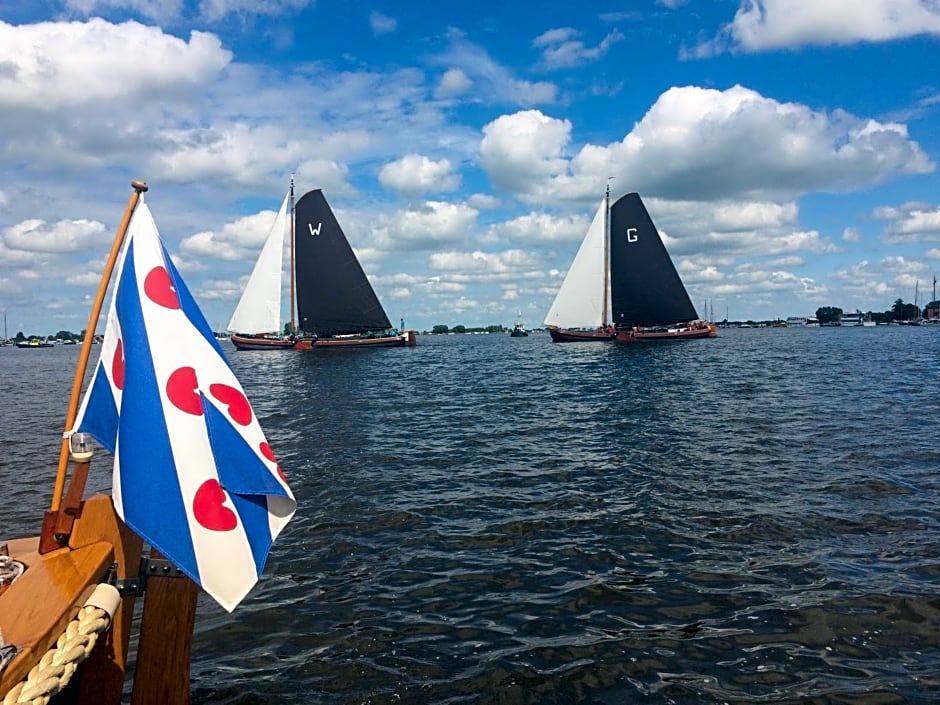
(486, 519)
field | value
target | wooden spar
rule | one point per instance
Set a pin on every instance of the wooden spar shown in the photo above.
(166, 630)
(139, 188)
(604, 319)
(293, 328)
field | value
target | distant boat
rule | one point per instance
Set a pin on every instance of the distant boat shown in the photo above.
(336, 305)
(256, 322)
(518, 330)
(34, 343)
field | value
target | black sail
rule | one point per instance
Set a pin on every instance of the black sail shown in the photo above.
(334, 297)
(645, 288)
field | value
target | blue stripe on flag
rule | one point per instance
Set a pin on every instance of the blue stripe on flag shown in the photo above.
(153, 502)
(101, 414)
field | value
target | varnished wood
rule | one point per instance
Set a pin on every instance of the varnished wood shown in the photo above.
(101, 677)
(162, 672)
(37, 607)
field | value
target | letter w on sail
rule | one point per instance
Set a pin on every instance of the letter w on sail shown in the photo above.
(313, 232)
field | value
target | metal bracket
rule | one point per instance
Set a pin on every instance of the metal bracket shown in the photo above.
(137, 585)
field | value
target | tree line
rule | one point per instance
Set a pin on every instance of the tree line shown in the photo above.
(899, 311)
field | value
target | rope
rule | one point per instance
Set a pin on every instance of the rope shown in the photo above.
(57, 665)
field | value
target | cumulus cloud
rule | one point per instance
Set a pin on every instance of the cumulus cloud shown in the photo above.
(522, 150)
(415, 174)
(703, 144)
(435, 223)
(65, 236)
(452, 83)
(236, 241)
(540, 228)
(913, 223)
(55, 66)
(766, 25)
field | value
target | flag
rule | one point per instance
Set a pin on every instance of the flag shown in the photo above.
(194, 475)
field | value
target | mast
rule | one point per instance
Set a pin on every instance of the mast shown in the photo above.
(139, 188)
(293, 328)
(606, 282)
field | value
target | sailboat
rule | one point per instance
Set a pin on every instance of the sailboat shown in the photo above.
(256, 322)
(623, 267)
(336, 305)
(649, 300)
(580, 311)
(193, 475)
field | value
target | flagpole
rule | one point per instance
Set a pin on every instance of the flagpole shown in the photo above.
(139, 188)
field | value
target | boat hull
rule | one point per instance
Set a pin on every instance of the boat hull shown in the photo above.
(252, 342)
(690, 331)
(573, 335)
(400, 340)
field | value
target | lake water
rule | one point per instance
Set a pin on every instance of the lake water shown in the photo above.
(485, 519)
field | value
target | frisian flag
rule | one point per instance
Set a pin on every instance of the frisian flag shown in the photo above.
(194, 475)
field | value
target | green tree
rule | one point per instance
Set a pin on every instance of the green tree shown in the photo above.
(828, 314)
(440, 328)
(460, 329)
(901, 311)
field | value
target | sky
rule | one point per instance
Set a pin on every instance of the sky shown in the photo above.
(787, 150)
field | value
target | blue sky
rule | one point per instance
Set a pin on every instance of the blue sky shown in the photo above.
(786, 149)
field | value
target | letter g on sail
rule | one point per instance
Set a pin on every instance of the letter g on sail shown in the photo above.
(313, 232)
(631, 235)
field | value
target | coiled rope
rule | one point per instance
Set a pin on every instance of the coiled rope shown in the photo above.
(57, 665)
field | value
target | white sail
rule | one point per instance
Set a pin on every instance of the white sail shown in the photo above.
(259, 309)
(580, 302)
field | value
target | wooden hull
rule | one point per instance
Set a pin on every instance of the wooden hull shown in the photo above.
(678, 332)
(571, 335)
(252, 342)
(401, 340)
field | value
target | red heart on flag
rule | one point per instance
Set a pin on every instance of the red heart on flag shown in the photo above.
(181, 390)
(209, 510)
(159, 288)
(117, 365)
(269, 454)
(238, 407)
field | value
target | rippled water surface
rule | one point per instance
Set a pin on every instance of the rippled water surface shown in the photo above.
(486, 519)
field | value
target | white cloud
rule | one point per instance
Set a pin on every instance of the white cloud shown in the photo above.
(914, 224)
(436, 222)
(415, 174)
(523, 150)
(562, 50)
(452, 83)
(381, 24)
(540, 228)
(158, 11)
(765, 25)
(494, 83)
(65, 236)
(703, 144)
(55, 66)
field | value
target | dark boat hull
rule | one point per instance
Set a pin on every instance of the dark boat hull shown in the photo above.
(253, 342)
(683, 331)
(572, 335)
(400, 340)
